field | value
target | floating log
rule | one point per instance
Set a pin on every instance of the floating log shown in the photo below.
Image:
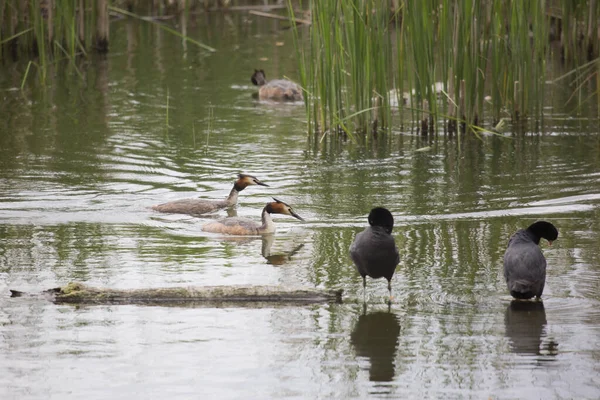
(79, 293)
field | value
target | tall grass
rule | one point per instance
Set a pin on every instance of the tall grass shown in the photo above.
(346, 66)
(451, 61)
(46, 27)
(50, 30)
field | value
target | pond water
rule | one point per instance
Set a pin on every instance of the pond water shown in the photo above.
(83, 160)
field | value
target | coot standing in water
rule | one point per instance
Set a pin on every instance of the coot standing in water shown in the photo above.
(374, 250)
(524, 263)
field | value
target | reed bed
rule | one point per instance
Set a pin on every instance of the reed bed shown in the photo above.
(452, 64)
(346, 66)
(50, 30)
(46, 28)
(52, 27)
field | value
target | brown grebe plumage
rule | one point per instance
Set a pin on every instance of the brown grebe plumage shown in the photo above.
(202, 206)
(245, 226)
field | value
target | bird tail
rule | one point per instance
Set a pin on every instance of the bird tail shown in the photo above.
(520, 285)
(521, 289)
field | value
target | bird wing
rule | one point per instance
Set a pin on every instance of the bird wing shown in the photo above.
(524, 262)
(373, 252)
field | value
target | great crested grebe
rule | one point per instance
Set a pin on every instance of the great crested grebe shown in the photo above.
(245, 226)
(278, 89)
(374, 250)
(201, 206)
(524, 263)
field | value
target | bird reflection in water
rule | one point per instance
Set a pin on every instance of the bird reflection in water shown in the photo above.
(279, 258)
(525, 323)
(375, 336)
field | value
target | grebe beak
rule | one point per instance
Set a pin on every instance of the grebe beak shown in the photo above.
(293, 214)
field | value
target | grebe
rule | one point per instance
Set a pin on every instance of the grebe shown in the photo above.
(279, 89)
(245, 226)
(201, 206)
(524, 263)
(374, 250)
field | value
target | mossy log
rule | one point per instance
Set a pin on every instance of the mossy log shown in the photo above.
(79, 293)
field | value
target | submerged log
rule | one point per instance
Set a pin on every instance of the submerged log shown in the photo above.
(78, 293)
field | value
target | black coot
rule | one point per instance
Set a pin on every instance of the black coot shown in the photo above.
(524, 263)
(374, 250)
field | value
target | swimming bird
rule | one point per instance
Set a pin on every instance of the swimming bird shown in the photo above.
(245, 226)
(374, 250)
(524, 263)
(278, 89)
(202, 206)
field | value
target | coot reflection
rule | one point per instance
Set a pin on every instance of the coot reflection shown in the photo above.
(375, 336)
(525, 323)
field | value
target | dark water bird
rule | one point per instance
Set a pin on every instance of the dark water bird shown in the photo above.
(525, 323)
(245, 226)
(374, 250)
(278, 89)
(524, 263)
(375, 336)
(201, 206)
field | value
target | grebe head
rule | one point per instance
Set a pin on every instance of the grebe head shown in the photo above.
(259, 77)
(245, 180)
(380, 216)
(279, 207)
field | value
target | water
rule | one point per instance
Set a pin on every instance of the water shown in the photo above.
(82, 162)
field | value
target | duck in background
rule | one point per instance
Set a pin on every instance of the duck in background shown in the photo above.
(278, 89)
(197, 207)
(524, 263)
(246, 226)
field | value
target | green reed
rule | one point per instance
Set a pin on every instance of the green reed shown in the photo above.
(46, 31)
(164, 27)
(37, 26)
(51, 30)
(346, 66)
(460, 52)
(450, 61)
